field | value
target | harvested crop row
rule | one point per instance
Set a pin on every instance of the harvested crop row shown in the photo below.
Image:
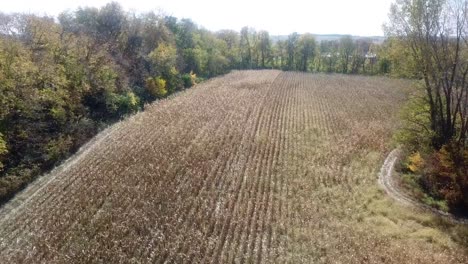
(251, 167)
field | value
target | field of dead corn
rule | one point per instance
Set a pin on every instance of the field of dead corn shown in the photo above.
(251, 167)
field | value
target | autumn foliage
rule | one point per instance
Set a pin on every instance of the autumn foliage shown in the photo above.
(447, 177)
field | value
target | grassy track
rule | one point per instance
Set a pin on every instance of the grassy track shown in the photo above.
(251, 167)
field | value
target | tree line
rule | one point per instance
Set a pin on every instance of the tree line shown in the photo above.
(63, 79)
(433, 40)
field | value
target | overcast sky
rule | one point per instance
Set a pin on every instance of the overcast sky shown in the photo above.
(356, 17)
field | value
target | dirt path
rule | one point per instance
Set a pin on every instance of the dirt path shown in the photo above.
(387, 181)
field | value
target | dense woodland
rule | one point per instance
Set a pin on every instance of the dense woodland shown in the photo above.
(64, 79)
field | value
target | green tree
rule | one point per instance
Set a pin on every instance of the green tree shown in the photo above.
(230, 49)
(346, 50)
(358, 58)
(3, 151)
(329, 55)
(436, 33)
(163, 58)
(396, 58)
(279, 55)
(245, 49)
(264, 46)
(111, 21)
(291, 49)
(306, 51)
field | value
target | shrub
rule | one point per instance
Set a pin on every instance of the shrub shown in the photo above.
(189, 79)
(415, 162)
(57, 149)
(129, 103)
(173, 80)
(16, 180)
(156, 87)
(119, 105)
(3, 150)
(415, 134)
(447, 177)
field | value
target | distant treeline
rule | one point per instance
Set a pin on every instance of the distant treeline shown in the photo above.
(64, 79)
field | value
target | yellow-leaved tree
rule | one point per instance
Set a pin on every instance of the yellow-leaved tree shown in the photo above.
(3, 150)
(156, 87)
(163, 58)
(416, 162)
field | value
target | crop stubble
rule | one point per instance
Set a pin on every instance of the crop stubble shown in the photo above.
(252, 167)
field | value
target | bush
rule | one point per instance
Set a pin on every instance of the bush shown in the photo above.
(82, 130)
(173, 80)
(189, 79)
(119, 105)
(3, 150)
(57, 150)
(16, 180)
(436, 203)
(444, 172)
(384, 66)
(129, 103)
(156, 87)
(415, 134)
(415, 162)
(448, 177)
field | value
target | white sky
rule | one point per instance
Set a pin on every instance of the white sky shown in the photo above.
(356, 17)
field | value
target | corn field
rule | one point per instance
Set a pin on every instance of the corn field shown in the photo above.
(252, 167)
